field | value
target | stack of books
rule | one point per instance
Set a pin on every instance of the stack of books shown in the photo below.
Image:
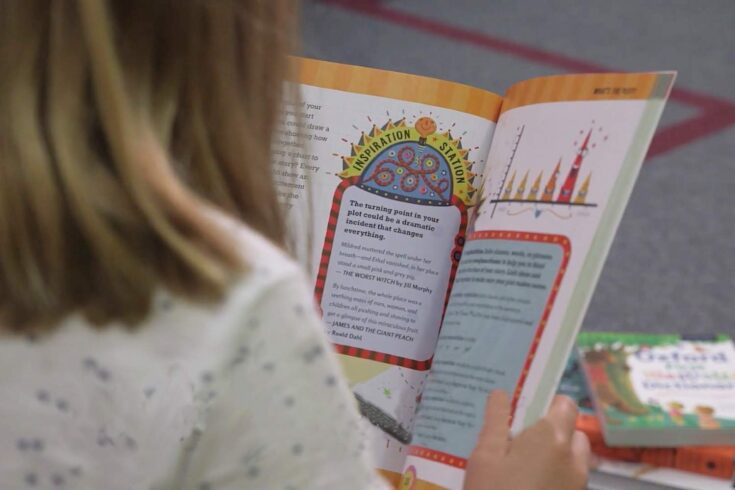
(659, 410)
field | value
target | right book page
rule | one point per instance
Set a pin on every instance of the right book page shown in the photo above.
(565, 155)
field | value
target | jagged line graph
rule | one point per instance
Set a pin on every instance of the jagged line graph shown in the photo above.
(549, 196)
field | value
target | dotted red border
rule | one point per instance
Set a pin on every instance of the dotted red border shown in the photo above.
(566, 246)
(562, 241)
(455, 254)
(321, 277)
(438, 456)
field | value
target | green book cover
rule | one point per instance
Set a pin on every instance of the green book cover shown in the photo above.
(661, 390)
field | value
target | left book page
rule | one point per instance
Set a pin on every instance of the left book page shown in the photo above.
(380, 168)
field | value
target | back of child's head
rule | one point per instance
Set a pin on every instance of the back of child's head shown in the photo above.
(118, 120)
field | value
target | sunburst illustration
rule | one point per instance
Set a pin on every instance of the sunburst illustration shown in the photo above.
(413, 164)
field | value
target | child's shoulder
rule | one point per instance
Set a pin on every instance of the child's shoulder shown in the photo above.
(265, 261)
(256, 247)
(270, 272)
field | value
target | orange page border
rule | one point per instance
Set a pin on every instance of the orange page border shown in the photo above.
(590, 86)
(401, 86)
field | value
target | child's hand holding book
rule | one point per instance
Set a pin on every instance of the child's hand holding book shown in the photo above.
(550, 454)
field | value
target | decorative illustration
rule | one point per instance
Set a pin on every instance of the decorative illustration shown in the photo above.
(545, 196)
(408, 479)
(411, 164)
(609, 376)
(389, 400)
(706, 416)
(383, 420)
(676, 413)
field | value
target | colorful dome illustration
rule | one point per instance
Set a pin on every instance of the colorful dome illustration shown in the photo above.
(411, 164)
(409, 172)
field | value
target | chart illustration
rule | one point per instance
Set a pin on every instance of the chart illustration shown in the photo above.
(539, 187)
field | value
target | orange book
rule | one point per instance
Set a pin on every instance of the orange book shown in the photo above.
(627, 454)
(664, 456)
(654, 456)
(713, 461)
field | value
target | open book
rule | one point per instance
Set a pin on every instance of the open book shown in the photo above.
(462, 235)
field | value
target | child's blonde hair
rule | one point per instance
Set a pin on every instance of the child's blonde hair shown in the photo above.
(119, 119)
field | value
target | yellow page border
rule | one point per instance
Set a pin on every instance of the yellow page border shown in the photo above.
(588, 86)
(401, 86)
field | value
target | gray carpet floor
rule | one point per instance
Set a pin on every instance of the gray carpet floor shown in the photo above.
(672, 265)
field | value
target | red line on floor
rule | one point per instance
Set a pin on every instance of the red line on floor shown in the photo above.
(704, 124)
(715, 113)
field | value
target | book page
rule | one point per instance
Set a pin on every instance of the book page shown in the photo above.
(566, 153)
(387, 175)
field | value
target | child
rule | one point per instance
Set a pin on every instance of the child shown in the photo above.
(152, 333)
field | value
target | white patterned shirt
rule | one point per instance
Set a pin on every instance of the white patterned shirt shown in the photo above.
(244, 394)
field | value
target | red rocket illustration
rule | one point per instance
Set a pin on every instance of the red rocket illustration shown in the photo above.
(565, 194)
